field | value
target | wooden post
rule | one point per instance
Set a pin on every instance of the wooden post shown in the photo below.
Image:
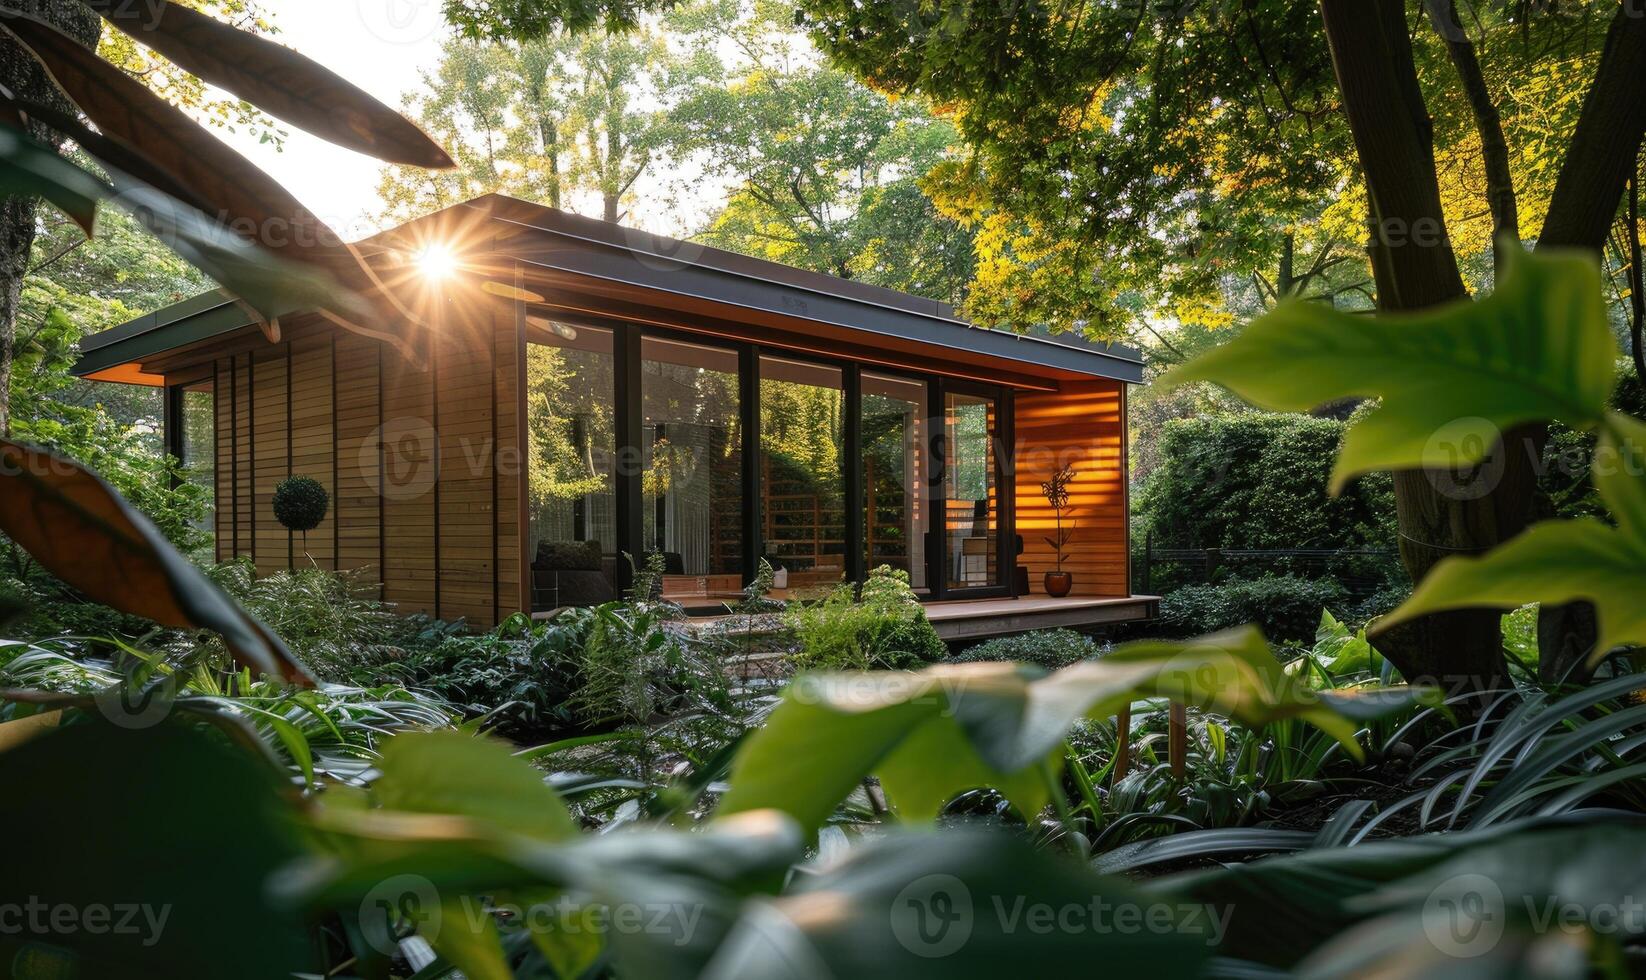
(1177, 740)
(1122, 744)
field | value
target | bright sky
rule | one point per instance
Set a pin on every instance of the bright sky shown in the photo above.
(383, 46)
(379, 45)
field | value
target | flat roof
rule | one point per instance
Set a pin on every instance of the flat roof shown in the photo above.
(595, 250)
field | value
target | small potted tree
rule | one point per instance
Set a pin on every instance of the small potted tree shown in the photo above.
(1056, 489)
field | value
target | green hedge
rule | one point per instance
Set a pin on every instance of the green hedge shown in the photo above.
(1259, 481)
(1287, 607)
(1051, 649)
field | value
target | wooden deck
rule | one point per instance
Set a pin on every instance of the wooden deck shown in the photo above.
(980, 619)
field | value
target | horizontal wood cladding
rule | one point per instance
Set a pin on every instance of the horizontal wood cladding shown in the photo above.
(408, 453)
(506, 409)
(313, 440)
(1083, 426)
(271, 543)
(359, 507)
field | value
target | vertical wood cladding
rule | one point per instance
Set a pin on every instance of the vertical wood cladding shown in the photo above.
(410, 456)
(1082, 425)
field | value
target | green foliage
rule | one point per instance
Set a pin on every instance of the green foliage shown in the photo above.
(1452, 381)
(639, 663)
(1047, 649)
(932, 735)
(331, 620)
(1259, 481)
(519, 676)
(300, 503)
(1286, 607)
(884, 627)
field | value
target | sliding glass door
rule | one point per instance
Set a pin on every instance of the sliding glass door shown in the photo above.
(703, 456)
(571, 530)
(971, 490)
(895, 427)
(692, 468)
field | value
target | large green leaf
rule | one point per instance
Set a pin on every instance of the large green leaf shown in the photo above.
(1553, 562)
(167, 832)
(963, 905)
(30, 169)
(276, 79)
(932, 735)
(81, 531)
(1451, 380)
(469, 776)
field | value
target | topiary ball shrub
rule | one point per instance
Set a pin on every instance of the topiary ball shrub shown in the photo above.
(1285, 606)
(300, 503)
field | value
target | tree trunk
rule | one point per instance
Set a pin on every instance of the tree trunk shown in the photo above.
(1415, 268)
(27, 80)
(1603, 155)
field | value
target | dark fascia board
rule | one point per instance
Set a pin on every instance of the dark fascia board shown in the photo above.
(563, 241)
(599, 249)
(190, 321)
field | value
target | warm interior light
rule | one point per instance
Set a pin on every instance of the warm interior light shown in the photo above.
(437, 261)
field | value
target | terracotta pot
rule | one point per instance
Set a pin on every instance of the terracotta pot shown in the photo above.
(1058, 584)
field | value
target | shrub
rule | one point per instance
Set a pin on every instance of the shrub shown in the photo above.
(1286, 607)
(1051, 649)
(640, 662)
(529, 671)
(332, 620)
(1259, 481)
(885, 627)
(300, 503)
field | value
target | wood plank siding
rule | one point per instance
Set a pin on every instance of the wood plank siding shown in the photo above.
(423, 500)
(1082, 425)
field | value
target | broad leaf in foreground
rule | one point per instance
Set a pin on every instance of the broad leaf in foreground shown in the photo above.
(276, 79)
(931, 735)
(29, 169)
(1451, 380)
(963, 904)
(81, 531)
(1563, 561)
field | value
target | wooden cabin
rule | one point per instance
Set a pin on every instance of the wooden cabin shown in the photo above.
(583, 391)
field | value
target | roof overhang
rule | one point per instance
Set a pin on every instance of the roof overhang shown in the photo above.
(601, 262)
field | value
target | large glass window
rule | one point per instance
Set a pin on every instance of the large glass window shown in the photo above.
(198, 411)
(571, 457)
(895, 428)
(971, 496)
(802, 407)
(692, 481)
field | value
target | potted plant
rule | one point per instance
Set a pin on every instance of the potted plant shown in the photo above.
(1056, 489)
